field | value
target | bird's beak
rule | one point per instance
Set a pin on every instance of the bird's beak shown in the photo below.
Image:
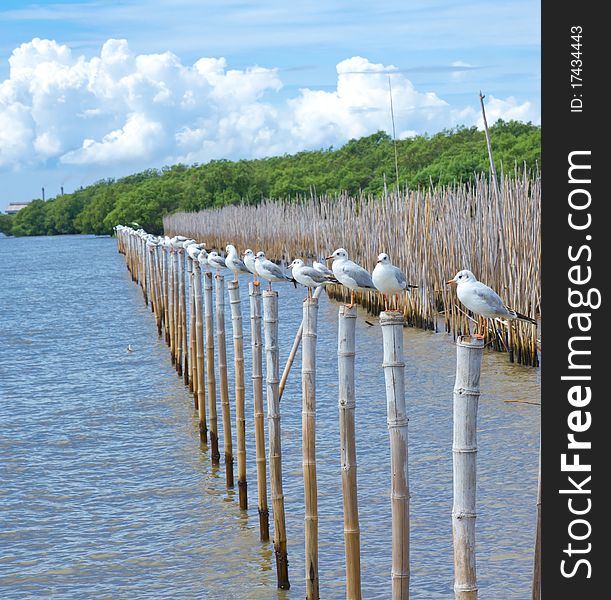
(378, 262)
(450, 281)
(328, 257)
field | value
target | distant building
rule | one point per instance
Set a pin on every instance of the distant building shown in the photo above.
(15, 207)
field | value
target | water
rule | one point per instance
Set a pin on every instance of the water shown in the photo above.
(106, 493)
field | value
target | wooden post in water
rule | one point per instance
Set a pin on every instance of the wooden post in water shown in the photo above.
(238, 352)
(308, 429)
(221, 352)
(183, 316)
(536, 591)
(345, 364)
(469, 352)
(192, 377)
(257, 388)
(270, 321)
(209, 321)
(166, 293)
(171, 305)
(294, 348)
(394, 367)
(199, 353)
(177, 322)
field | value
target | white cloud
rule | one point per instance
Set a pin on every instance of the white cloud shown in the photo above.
(150, 109)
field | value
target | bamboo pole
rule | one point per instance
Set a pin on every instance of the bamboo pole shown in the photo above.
(199, 353)
(177, 312)
(294, 348)
(238, 353)
(469, 352)
(211, 377)
(166, 294)
(259, 417)
(171, 304)
(183, 316)
(270, 321)
(345, 364)
(221, 352)
(192, 377)
(308, 428)
(394, 367)
(536, 588)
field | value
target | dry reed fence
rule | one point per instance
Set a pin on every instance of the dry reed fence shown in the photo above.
(430, 234)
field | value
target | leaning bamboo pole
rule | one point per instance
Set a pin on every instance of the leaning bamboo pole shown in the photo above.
(238, 354)
(294, 348)
(221, 352)
(199, 352)
(215, 455)
(270, 322)
(469, 352)
(259, 417)
(308, 429)
(347, 405)
(394, 367)
(536, 585)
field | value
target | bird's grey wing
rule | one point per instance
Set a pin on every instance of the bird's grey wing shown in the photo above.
(490, 297)
(274, 269)
(314, 274)
(400, 275)
(239, 264)
(361, 277)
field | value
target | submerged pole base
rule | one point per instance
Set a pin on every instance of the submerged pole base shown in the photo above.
(282, 569)
(203, 433)
(215, 454)
(264, 524)
(229, 470)
(243, 494)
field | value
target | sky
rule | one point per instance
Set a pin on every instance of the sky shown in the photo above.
(92, 90)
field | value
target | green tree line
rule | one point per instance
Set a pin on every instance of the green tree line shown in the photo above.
(363, 165)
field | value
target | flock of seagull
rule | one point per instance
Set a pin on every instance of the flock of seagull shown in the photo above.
(386, 277)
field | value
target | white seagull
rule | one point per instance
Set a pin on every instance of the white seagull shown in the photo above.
(202, 258)
(482, 300)
(348, 273)
(214, 260)
(309, 276)
(322, 268)
(390, 280)
(249, 260)
(235, 263)
(268, 270)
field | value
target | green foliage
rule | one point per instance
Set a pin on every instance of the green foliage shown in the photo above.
(364, 165)
(6, 224)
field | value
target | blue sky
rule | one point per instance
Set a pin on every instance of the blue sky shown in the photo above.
(90, 90)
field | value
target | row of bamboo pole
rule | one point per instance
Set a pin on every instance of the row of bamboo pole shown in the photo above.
(430, 234)
(161, 275)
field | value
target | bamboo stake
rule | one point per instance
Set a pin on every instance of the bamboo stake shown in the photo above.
(199, 353)
(270, 321)
(464, 450)
(171, 305)
(536, 589)
(294, 348)
(183, 316)
(221, 352)
(209, 321)
(166, 294)
(394, 367)
(192, 377)
(238, 353)
(177, 313)
(308, 428)
(257, 386)
(345, 364)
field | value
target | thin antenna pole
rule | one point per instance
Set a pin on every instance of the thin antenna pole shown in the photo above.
(394, 136)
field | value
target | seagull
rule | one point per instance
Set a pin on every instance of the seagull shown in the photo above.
(390, 280)
(482, 300)
(348, 273)
(249, 261)
(235, 263)
(268, 270)
(129, 348)
(202, 258)
(309, 276)
(193, 251)
(214, 260)
(322, 268)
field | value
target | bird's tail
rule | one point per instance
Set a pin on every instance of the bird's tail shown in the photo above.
(522, 317)
(409, 285)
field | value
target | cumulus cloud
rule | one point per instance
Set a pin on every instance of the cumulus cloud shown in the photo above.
(121, 108)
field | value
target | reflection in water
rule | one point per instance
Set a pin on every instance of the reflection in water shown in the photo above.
(107, 493)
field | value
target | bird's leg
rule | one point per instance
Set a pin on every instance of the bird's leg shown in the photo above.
(255, 281)
(477, 335)
(351, 300)
(269, 286)
(385, 302)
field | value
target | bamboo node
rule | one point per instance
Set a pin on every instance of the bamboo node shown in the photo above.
(463, 391)
(346, 354)
(393, 364)
(465, 588)
(398, 423)
(463, 515)
(463, 450)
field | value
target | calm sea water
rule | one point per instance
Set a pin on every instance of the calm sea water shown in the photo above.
(106, 493)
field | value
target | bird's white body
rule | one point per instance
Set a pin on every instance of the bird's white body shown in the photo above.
(234, 263)
(348, 273)
(202, 258)
(249, 261)
(387, 278)
(216, 261)
(308, 276)
(268, 270)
